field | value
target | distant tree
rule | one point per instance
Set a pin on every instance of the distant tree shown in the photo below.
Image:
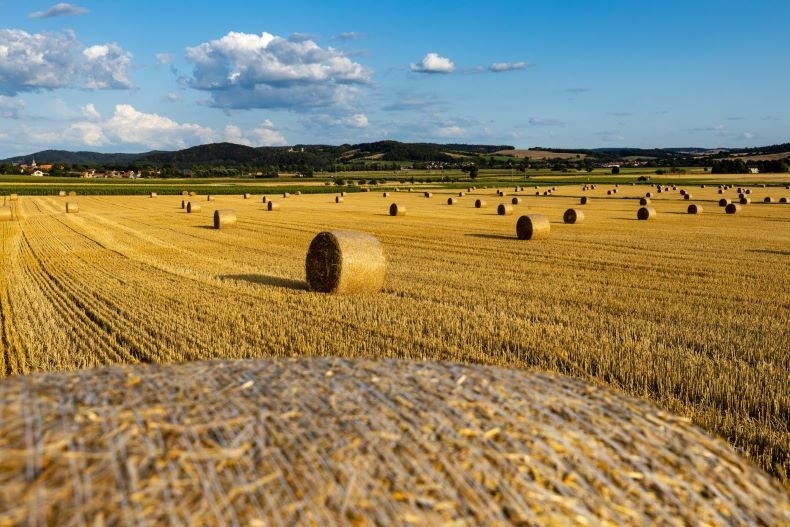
(615, 170)
(473, 172)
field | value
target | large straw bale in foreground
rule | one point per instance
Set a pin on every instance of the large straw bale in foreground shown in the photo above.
(224, 218)
(533, 227)
(345, 262)
(328, 441)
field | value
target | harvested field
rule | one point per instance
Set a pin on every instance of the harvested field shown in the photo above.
(482, 446)
(688, 312)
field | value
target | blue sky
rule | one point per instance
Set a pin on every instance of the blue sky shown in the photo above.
(112, 76)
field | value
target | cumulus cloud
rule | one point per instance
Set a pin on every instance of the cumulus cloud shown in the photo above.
(9, 107)
(357, 120)
(450, 131)
(34, 62)
(129, 127)
(61, 9)
(90, 112)
(545, 121)
(433, 63)
(242, 70)
(163, 58)
(499, 67)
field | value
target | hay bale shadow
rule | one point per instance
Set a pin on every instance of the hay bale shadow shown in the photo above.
(275, 281)
(490, 236)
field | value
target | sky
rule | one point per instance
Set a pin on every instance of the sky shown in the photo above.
(122, 76)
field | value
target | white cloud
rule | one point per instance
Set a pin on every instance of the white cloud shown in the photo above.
(358, 120)
(242, 70)
(34, 62)
(9, 107)
(163, 58)
(129, 128)
(61, 9)
(747, 135)
(499, 67)
(433, 63)
(90, 112)
(451, 131)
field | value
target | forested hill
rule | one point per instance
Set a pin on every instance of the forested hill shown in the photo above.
(230, 154)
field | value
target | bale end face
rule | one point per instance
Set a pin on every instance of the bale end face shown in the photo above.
(584, 200)
(504, 209)
(573, 216)
(397, 210)
(533, 227)
(646, 213)
(224, 218)
(344, 262)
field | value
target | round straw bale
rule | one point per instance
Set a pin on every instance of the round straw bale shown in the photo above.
(208, 197)
(783, 199)
(345, 262)
(702, 186)
(185, 193)
(723, 202)
(694, 209)
(183, 203)
(608, 192)
(644, 201)
(741, 195)
(72, 193)
(62, 193)
(342, 194)
(271, 205)
(687, 196)
(572, 216)
(192, 193)
(682, 192)
(298, 193)
(386, 194)
(584, 200)
(547, 193)
(286, 195)
(515, 201)
(658, 191)
(5, 214)
(504, 209)
(479, 203)
(338, 199)
(13, 197)
(721, 191)
(745, 201)
(510, 429)
(397, 210)
(264, 199)
(247, 195)
(768, 199)
(787, 187)
(747, 191)
(192, 207)
(452, 201)
(732, 208)
(461, 194)
(646, 213)
(72, 207)
(224, 218)
(427, 194)
(533, 227)
(648, 195)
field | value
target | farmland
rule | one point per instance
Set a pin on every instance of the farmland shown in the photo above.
(690, 312)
